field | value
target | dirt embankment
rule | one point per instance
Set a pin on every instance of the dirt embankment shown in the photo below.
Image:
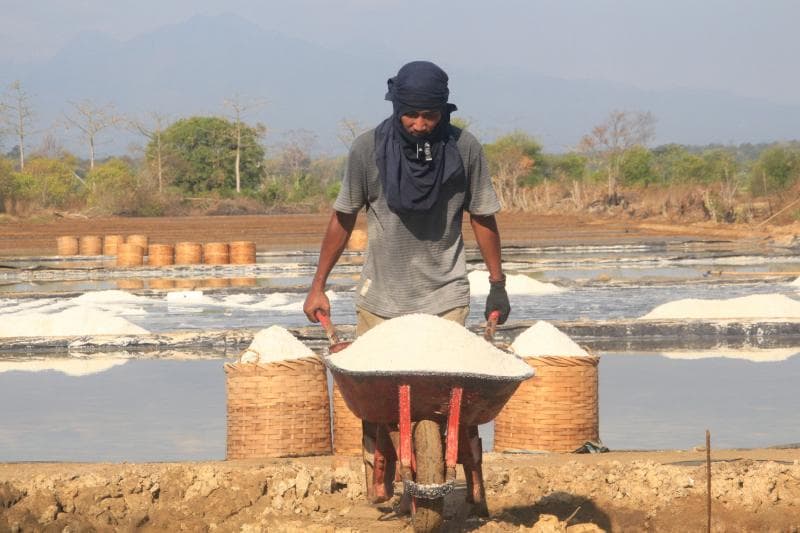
(304, 232)
(614, 492)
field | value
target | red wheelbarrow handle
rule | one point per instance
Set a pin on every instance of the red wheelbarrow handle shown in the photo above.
(491, 325)
(333, 338)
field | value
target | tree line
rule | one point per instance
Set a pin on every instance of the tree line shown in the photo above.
(221, 164)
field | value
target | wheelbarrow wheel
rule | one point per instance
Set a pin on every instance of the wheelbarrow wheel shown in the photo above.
(429, 457)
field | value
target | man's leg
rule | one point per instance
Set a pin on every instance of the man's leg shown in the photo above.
(376, 465)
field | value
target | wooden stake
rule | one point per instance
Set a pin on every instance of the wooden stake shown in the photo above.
(708, 481)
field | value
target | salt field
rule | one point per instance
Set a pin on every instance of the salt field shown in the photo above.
(128, 406)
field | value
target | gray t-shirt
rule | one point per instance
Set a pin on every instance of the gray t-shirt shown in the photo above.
(415, 262)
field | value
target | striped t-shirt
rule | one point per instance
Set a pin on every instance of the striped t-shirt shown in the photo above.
(415, 261)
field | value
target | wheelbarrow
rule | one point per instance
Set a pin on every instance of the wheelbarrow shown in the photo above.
(437, 430)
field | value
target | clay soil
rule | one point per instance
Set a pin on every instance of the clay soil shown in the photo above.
(751, 490)
(304, 232)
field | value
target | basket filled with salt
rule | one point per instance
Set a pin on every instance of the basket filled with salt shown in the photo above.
(557, 410)
(277, 399)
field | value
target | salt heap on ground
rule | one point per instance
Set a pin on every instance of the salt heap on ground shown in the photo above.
(543, 339)
(275, 344)
(515, 284)
(756, 306)
(69, 322)
(421, 343)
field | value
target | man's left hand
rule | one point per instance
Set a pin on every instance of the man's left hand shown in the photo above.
(498, 300)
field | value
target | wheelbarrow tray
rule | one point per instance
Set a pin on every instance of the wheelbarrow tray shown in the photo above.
(373, 395)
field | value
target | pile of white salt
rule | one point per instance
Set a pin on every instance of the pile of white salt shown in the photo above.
(422, 343)
(756, 306)
(542, 339)
(275, 344)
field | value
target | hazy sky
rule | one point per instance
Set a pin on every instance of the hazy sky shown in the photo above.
(749, 48)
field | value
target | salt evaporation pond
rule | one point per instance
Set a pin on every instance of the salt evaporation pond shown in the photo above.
(151, 409)
(170, 410)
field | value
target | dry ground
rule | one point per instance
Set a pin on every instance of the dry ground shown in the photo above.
(304, 232)
(756, 490)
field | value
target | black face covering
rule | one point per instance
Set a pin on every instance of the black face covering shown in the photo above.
(412, 169)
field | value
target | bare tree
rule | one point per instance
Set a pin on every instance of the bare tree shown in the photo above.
(153, 131)
(91, 120)
(349, 129)
(295, 156)
(18, 116)
(609, 141)
(239, 108)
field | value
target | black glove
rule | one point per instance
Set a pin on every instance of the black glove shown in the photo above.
(498, 300)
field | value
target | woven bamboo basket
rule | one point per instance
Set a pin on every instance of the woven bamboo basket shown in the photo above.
(67, 245)
(357, 241)
(129, 255)
(160, 255)
(111, 243)
(139, 239)
(555, 411)
(278, 409)
(216, 253)
(243, 253)
(188, 253)
(346, 427)
(90, 245)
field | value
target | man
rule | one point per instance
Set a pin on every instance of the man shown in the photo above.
(414, 175)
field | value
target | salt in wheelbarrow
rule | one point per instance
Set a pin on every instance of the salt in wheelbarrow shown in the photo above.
(433, 428)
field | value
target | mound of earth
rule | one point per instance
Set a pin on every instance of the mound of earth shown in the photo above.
(658, 491)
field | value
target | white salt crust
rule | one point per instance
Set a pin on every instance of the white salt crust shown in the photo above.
(543, 338)
(427, 343)
(756, 306)
(69, 322)
(275, 344)
(515, 284)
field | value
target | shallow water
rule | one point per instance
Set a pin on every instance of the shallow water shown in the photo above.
(150, 409)
(169, 410)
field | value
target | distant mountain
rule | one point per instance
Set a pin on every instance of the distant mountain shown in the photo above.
(190, 68)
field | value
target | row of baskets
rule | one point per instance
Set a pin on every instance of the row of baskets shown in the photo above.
(282, 409)
(133, 249)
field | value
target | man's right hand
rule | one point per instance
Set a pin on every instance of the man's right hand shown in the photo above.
(316, 301)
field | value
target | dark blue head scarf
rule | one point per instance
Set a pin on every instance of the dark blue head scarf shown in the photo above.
(411, 181)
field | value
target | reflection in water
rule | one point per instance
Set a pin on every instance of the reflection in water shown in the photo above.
(652, 402)
(71, 366)
(146, 410)
(174, 409)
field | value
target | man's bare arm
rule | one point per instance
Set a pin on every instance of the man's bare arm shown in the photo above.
(488, 237)
(340, 226)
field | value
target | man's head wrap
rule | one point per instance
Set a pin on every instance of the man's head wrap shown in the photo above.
(413, 169)
(419, 85)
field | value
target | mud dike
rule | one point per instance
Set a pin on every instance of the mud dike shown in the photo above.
(619, 491)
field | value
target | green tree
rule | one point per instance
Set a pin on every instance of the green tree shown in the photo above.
(512, 164)
(112, 187)
(608, 142)
(8, 184)
(49, 182)
(570, 166)
(201, 153)
(777, 168)
(636, 167)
